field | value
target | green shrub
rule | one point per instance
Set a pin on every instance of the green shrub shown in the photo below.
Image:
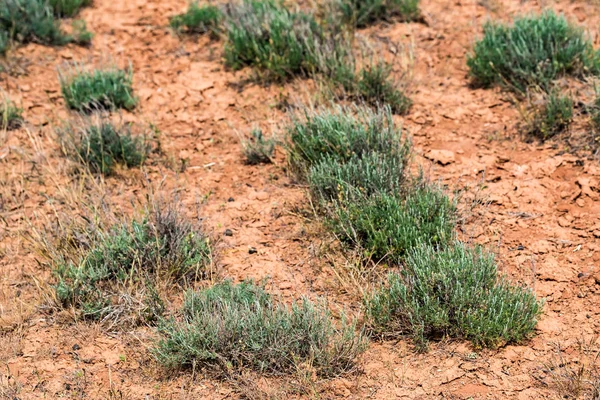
(67, 8)
(387, 226)
(362, 13)
(552, 117)
(108, 272)
(10, 115)
(99, 89)
(375, 86)
(534, 51)
(271, 38)
(453, 292)
(101, 145)
(230, 327)
(27, 21)
(258, 149)
(342, 134)
(81, 35)
(198, 19)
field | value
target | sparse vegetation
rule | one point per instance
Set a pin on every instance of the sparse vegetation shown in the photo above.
(376, 87)
(10, 115)
(100, 89)
(198, 19)
(110, 272)
(258, 150)
(361, 13)
(229, 327)
(68, 8)
(553, 116)
(533, 52)
(452, 292)
(101, 145)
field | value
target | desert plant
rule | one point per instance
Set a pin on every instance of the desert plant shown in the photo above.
(106, 271)
(553, 116)
(67, 8)
(534, 51)
(341, 134)
(105, 88)
(361, 13)
(198, 19)
(375, 86)
(10, 115)
(80, 34)
(101, 144)
(454, 292)
(386, 226)
(229, 327)
(272, 38)
(26, 21)
(258, 150)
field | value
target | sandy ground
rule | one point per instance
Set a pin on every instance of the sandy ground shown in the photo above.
(540, 207)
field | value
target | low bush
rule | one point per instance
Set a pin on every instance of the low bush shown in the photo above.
(361, 13)
(375, 86)
(10, 115)
(342, 134)
(111, 272)
(198, 19)
(553, 116)
(68, 8)
(101, 145)
(533, 52)
(452, 292)
(100, 89)
(258, 150)
(271, 38)
(230, 327)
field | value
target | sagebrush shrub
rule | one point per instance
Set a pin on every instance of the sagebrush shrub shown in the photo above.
(100, 89)
(229, 327)
(452, 292)
(552, 117)
(258, 150)
(10, 115)
(375, 86)
(198, 19)
(362, 13)
(101, 145)
(68, 8)
(534, 51)
(107, 272)
(272, 38)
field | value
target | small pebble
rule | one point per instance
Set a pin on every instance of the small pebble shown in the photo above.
(76, 347)
(228, 232)
(252, 250)
(580, 275)
(230, 199)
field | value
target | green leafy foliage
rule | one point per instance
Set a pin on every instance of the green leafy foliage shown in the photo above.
(100, 89)
(258, 150)
(68, 8)
(533, 52)
(109, 272)
(10, 115)
(552, 117)
(101, 145)
(198, 19)
(361, 13)
(455, 292)
(229, 327)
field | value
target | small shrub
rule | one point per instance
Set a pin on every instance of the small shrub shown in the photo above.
(100, 89)
(258, 149)
(80, 34)
(552, 117)
(273, 39)
(387, 226)
(27, 21)
(375, 87)
(101, 145)
(534, 51)
(453, 292)
(105, 272)
(362, 13)
(10, 115)
(342, 134)
(198, 19)
(230, 327)
(67, 8)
